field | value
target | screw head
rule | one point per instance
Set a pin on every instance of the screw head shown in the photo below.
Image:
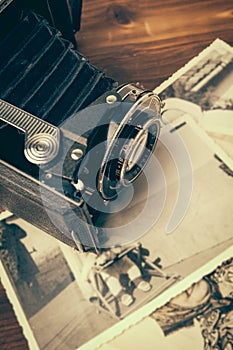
(111, 99)
(48, 176)
(76, 154)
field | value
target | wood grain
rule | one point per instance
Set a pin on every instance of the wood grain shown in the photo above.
(143, 41)
(148, 40)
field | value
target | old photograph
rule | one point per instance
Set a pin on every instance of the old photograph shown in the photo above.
(206, 305)
(56, 308)
(199, 318)
(203, 89)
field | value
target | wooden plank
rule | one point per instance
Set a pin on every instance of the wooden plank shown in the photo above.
(147, 41)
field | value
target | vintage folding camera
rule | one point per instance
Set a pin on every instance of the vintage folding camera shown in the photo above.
(70, 138)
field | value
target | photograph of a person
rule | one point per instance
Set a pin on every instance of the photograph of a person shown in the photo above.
(46, 288)
(74, 295)
(198, 318)
(20, 264)
(206, 305)
(120, 280)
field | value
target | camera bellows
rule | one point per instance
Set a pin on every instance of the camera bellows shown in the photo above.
(42, 74)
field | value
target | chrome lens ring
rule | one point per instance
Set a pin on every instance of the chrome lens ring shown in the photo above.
(132, 143)
(145, 140)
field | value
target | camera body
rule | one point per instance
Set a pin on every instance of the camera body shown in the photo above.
(71, 139)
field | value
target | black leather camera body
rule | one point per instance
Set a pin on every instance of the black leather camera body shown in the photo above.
(70, 138)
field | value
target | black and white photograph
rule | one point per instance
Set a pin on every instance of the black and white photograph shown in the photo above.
(199, 318)
(206, 305)
(203, 89)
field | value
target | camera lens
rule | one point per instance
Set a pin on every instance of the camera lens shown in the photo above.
(131, 141)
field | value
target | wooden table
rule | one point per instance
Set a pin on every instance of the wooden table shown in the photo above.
(143, 41)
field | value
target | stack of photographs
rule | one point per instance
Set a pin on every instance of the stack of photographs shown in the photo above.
(171, 286)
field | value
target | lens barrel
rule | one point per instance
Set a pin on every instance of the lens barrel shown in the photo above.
(132, 141)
